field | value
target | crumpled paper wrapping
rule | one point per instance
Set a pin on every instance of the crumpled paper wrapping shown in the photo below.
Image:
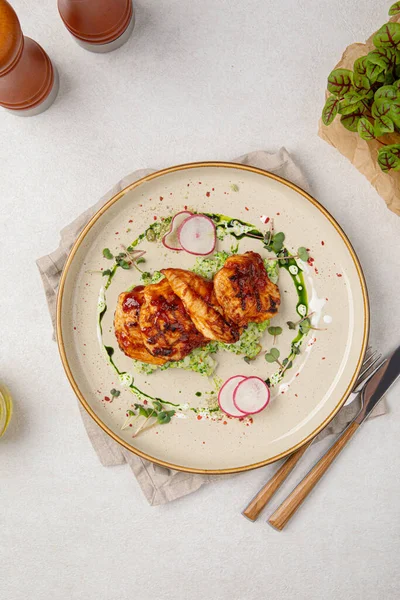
(363, 154)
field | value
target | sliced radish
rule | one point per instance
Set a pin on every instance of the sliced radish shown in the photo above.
(251, 395)
(197, 235)
(170, 239)
(225, 396)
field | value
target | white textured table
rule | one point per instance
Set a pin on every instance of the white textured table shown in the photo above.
(203, 79)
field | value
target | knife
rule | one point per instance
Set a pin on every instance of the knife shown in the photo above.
(372, 393)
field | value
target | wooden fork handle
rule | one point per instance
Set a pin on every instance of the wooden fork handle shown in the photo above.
(287, 509)
(253, 509)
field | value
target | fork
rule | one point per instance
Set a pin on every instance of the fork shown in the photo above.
(261, 499)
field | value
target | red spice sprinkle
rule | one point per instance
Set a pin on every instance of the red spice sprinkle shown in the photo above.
(145, 402)
(75, 328)
(296, 395)
(199, 417)
(310, 261)
(161, 198)
(199, 182)
(246, 208)
(316, 270)
(225, 422)
(155, 218)
(106, 398)
(339, 275)
(208, 194)
(117, 233)
(130, 424)
(170, 193)
(297, 374)
(188, 184)
(323, 358)
(185, 207)
(140, 205)
(278, 214)
(322, 243)
(213, 189)
(203, 442)
(130, 221)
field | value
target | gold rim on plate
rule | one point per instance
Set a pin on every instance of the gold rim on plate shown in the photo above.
(183, 167)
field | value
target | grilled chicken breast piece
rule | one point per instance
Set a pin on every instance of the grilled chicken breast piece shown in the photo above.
(200, 302)
(243, 289)
(166, 327)
(127, 330)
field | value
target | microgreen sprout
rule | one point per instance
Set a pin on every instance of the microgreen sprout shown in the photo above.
(293, 325)
(108, 254)
(273, 356)
(153, 415)
(275, 331)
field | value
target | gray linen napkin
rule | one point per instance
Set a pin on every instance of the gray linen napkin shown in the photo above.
(161, 485)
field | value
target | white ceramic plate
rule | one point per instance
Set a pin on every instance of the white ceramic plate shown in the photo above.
(311, 392)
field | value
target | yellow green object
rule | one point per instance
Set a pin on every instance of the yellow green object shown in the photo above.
(6, 408)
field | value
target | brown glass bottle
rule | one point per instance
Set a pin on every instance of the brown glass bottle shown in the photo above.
(98, 25)
(28, 79)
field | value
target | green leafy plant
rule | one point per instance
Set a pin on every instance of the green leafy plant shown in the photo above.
(368, 97)
(275, 331)
(273, 356)
(151, 416)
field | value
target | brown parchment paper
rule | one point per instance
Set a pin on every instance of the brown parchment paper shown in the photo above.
(362, 154)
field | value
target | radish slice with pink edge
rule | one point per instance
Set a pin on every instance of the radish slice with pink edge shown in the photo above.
(197, 235)
(170, 239)
(225, 397)
(251, 395)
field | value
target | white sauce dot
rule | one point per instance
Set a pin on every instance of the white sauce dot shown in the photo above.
(327, 319)
(302, 310)
(300, 287)
(293, 269)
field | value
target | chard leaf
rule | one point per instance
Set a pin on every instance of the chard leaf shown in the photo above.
(362, 85)
(383, 125)
(349, 104)
(350, 122)
(389, 77)
(387, 36)
(360, 66)
(396, 84)
(394, 149)
(395, 113)
(365, 129)
(386, 91)
(340, 81)
(330, 110)
(394, 9)
(387, 160)
(375, 73)
(383, 57)
(381, 107)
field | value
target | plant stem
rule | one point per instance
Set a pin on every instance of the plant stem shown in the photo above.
(144, 423)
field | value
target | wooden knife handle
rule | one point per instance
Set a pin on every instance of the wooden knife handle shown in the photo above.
(287, 509)
(254, 508)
